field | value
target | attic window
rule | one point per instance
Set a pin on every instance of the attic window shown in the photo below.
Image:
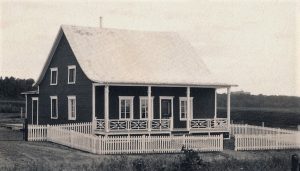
(71, 74)
(53, 76)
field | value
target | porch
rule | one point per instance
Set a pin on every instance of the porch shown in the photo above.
(143, 109)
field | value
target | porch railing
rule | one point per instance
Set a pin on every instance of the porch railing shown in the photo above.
(159, 124)
(217, 123)
(135, 124)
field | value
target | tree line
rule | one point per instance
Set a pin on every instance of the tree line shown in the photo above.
(11, 87)
(259, 101)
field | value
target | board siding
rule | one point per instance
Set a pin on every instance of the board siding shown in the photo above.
(82, 89)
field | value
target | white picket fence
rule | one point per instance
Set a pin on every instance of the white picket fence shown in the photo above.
(133, 144)
(267, 141)
(250, 137)
(39, 132)
(252, 129)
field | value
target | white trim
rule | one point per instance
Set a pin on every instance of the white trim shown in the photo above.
(131, 98)
(74, 75)
(69, 107)
(228, 105)
(146, 99)
(166, 98)
(101, 83)
(37, 110)
(26, 106)
(51, 98)
(93, 102)
(191, 103)
(215, 104)
(51, 70)
(106, 107)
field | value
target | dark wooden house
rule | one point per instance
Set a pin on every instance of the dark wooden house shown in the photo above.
(126, 82)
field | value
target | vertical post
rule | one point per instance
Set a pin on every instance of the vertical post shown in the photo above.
(215, 104)
(228, 105)
(188, 104)
(149, 109)
(26, 106)
(94, 110)
(106, 107)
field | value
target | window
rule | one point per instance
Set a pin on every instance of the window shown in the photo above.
(72, 107)
(144, 106)
(71, 74)
(166, 107)
(54, 107)
(183, 107)
(125, 107)
(53, 76)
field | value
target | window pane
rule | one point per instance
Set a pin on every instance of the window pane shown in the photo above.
(54, 75)
(71, 75)
(54, 109)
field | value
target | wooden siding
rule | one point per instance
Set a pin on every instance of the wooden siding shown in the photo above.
(82, 89)
(203, 103)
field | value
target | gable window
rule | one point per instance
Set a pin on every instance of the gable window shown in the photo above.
(71, 74)
(54, 107)
(126, 107)
(144, 106)
(72, 107)
(183, 107)
(53, 76)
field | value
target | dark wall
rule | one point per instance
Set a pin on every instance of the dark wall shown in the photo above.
(203, 103)
(63, 57)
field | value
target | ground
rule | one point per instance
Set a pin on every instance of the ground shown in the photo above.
(16, 154)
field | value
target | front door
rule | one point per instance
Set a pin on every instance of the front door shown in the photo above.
(35, 111)
(166, 108)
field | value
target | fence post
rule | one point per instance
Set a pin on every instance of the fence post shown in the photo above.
(25, 130)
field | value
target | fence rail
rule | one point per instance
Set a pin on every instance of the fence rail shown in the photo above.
(133, 144)
(267, 141)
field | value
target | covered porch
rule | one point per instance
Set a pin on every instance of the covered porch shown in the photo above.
(168, 113)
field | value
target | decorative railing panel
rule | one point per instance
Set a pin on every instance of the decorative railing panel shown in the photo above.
(139, 124)
(161, 124)
(118, 125)
(100, 124)
(218, 123)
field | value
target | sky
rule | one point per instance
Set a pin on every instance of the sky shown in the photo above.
(254, 44)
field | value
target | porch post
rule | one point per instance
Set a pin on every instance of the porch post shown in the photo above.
(106, 107)
(228, 105)
(149, 109)
(188, 111)
(215, 104)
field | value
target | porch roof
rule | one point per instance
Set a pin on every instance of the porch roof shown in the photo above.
(137, 57)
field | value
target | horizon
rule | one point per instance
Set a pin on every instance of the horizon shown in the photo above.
(251, 44)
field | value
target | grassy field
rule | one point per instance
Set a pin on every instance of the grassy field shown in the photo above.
(20, 155)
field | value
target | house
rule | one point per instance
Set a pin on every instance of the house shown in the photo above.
(127, 82)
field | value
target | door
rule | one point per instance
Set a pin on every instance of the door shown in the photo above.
(35, 111)
(166, 108)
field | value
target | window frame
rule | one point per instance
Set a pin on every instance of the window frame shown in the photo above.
(74, 75)
(51, 73)
(146, 98)
(185, 99)
(131, 98)
(69, 111)
(51, 105)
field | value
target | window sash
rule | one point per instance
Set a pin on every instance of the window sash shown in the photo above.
(72, 107)
(71, 74)
(53, 76)
(144, 107)
(125, 107)
(183, 107)
(54, 107)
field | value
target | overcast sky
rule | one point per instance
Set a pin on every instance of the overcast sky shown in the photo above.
(252, 44)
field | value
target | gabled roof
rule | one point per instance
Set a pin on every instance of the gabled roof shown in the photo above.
(134, 57)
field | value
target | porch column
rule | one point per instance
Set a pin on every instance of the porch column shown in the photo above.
(106, 107)
(228, 105)
(215, 116)
(149, 109)
(188, 111)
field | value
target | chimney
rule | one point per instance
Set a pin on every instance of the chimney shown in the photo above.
(100, 20)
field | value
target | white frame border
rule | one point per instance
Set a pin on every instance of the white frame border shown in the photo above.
(37, 110)
(71, 67)
(152, 105)
(166, 98)
(191, 105)
(131, 98)
(51, 98)
(69, 112)
(51, 70)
